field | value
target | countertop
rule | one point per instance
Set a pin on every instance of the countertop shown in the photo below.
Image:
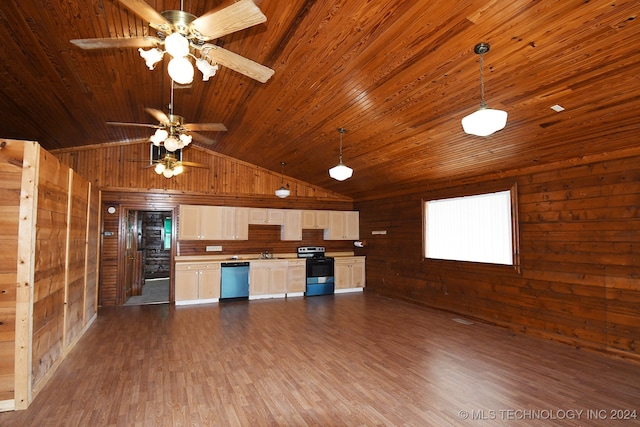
(251, 257)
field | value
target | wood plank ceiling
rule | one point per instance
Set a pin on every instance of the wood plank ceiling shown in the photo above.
(398, 75)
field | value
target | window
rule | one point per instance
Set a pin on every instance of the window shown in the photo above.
(166, 233)
(478, 228)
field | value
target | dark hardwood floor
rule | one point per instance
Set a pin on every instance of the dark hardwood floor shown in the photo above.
(348, 360)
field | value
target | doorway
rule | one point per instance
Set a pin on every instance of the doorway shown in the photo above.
(147, 257)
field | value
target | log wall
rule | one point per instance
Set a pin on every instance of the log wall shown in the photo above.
(579, 250)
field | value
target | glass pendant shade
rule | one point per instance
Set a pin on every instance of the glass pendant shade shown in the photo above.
(484, 122)
(180, 70)
(168, 173)
(171, 144)
(340, 172)
(177, 45)
(151, 56)
(283, 192)
(159, 168)
(178, 169)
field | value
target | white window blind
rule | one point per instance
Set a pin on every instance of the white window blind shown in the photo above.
(472, 228)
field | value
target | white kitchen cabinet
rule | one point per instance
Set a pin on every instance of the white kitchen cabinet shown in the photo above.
(349, 272)
(197, 282)
(296, 277)
(315, 220)
(267, 279)
(213, 223)
(292, 227)
(234, 223)
(190, 222)
(343, 225)
(265, 216)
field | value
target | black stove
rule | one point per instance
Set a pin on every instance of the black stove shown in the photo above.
(320, 279)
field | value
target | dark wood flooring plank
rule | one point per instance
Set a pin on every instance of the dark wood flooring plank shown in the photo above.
(348, 360)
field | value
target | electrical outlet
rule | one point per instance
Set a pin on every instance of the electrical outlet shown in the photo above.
(214, 248)
(379, 232)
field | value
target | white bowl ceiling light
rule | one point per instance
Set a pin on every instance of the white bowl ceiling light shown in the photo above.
(340, 172)
(485, 120)
(282, 192)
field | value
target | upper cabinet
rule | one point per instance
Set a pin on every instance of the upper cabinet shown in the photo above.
(232, 223)
(292, 226)
(213, 223)
(343, 225)
(315, 220)
(266, 216)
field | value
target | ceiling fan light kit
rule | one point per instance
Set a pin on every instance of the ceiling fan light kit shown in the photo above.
(340, 172)
(184, 37)
(484, 121)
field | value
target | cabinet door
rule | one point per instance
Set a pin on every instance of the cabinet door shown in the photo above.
(322, 219)
(241, 224)
(358, 274)
(258, 278)
(292, 227)
(211, 223)
(352, 225)
(296, 276)
(308, 220)
(189, 221)
(336, 228)
(258, 216)
(277, 277)
(209, 282)
(186, 283)
(342, 273)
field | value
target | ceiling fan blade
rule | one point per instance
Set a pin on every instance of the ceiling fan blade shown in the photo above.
(238, 16)
(202, 139)
(195, 165)
(237, 62)
(207, 127)
(108, 43)
(146, 12)
(144, 125)
(159, 116)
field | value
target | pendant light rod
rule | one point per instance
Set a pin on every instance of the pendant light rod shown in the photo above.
(341, 130)
(481, 49)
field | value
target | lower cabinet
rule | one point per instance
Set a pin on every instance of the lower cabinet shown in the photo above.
(349, 272)
(267, 279)
(296, 277)
(197, 282)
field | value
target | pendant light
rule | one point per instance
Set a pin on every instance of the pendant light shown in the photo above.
(341, 171)
(282, 192)
(484, 121)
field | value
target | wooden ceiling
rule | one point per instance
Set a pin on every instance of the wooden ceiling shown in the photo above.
(398, 75)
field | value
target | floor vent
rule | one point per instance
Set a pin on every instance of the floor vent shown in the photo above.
(463, 321)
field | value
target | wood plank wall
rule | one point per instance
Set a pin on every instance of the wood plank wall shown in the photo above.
(49, 275)
(46, 267)
(123, 167)
(11, 170)
(580, 256)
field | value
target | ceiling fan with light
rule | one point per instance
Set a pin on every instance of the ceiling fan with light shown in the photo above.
(172, 132)
(184, 36)
(170, 166)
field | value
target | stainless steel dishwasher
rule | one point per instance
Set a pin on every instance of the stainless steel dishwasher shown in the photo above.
(235, 280)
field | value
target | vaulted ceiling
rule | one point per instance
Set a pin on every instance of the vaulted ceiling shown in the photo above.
(398, 75)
